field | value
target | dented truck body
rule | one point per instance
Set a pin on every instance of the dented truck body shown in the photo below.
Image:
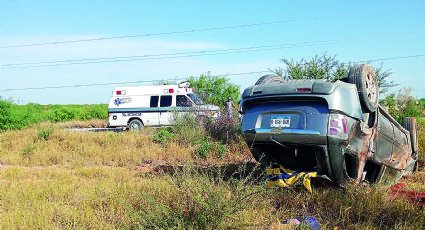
(318, 125)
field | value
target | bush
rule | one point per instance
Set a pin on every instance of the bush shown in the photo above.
(14, 116)
(224, 130)
(44, 133)
(403, 105)
(215, 90)
(187, 128)
(200, 200)
(207, 147)
(5, 114)
(163, 136)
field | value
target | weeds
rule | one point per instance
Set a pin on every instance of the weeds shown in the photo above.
(207, 147)
(163, 136)
(187, 128)
(54, 179)
(203, 200)
(224, 129)
(28, 150)
(96, 183)
(44, 134)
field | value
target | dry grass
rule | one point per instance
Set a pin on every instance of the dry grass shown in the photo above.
(56, 179)
(26, 148)
(94, 123)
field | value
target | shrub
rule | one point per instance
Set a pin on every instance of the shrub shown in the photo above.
(163, 136)
(215, 90)
(44, 133)
(206, 147)
(403, 105)
(203, 149)
(224, 129)
(187, 128)
(14, 116)
(5, 114)
(200, 200)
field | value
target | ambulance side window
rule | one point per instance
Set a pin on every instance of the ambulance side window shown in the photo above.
(183, 101)
(166, 101)
(154, 101)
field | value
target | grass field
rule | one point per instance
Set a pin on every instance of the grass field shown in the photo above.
(13, 116)
(154, 179)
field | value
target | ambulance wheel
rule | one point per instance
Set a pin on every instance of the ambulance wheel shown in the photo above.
(135, 125)
(364, 77)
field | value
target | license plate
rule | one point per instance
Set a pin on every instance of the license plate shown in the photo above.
(280, 121)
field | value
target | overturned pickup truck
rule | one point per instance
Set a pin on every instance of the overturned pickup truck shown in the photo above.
(337, 129)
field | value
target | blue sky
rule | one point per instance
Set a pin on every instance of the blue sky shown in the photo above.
(354, 31)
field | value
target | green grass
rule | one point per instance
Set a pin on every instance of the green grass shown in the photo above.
(13, 116)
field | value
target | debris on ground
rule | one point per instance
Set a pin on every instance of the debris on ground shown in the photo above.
(414, 197)
(278, 176)
(308, 222)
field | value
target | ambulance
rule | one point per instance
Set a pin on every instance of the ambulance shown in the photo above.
(139, 106)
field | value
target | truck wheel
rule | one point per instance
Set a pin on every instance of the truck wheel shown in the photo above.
(364, 77)
(409, 123)
(135, 125)
(271, 78)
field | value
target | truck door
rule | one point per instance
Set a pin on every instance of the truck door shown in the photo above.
(165, 110)
(151, 117)
(384, 140)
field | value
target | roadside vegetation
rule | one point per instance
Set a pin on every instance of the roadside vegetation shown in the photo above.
(157, 178)
(188, 176)
(13, 116)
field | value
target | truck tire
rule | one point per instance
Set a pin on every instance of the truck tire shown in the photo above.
(364, 77)
(271, 78)
(135, 124)
(409, 123)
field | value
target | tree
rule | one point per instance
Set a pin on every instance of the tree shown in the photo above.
(403, 104)
(214, 89)
(329, 68)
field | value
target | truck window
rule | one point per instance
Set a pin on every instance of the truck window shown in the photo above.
(166, 101)
(195, 99)
(183, 101)
(154, 101)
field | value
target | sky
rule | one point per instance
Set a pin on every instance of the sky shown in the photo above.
(76, 52)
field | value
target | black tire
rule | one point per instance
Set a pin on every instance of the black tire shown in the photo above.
(271, 78)
(409, 123)
(135, 124)
(364, 77)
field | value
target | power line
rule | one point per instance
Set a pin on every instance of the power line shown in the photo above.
(181, 54)
(162, 33)
(164, 55)
(120, 83)
(153, 81)
(395, 58)
(187, 31)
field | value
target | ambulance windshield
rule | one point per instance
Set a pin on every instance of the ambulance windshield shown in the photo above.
(195, 99)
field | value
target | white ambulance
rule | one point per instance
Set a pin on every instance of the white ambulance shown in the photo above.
(135, 107)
